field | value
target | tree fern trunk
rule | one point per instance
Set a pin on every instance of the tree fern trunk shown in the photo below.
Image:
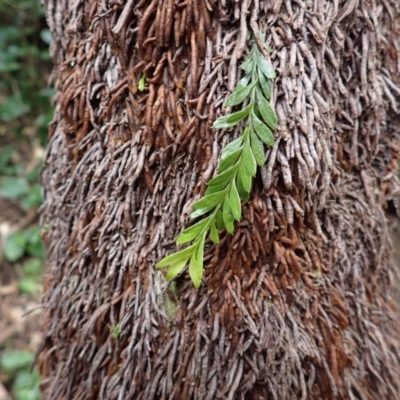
(295, 304)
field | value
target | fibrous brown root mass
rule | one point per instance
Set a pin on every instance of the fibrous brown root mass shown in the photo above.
(294, 304)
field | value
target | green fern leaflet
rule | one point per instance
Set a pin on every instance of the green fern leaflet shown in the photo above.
(221, 205)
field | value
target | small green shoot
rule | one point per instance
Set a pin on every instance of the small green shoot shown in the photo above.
(116, 331)
(142, 82)
(221, 205)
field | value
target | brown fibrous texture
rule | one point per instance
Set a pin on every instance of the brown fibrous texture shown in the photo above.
(296, 303)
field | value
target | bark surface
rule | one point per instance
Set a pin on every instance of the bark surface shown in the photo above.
(295, 304)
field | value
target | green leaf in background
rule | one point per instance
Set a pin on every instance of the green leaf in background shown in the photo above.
(28, 241)
(47, 93)
(14, 360)
(9, 34)
(9, 66)
(13, 188)
(14, 107)
(33, 175)
(33, 198)
(45, 35)
(26, 385)
(6, 155)
(33, 267)
(28, 286)
(34, 244)
(42, 122)
(14, 247)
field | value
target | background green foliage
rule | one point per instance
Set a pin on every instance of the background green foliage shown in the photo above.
(16, 364)
(24, 41)
(25, 112)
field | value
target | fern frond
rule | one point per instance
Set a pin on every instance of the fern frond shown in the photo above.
(220, 206)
